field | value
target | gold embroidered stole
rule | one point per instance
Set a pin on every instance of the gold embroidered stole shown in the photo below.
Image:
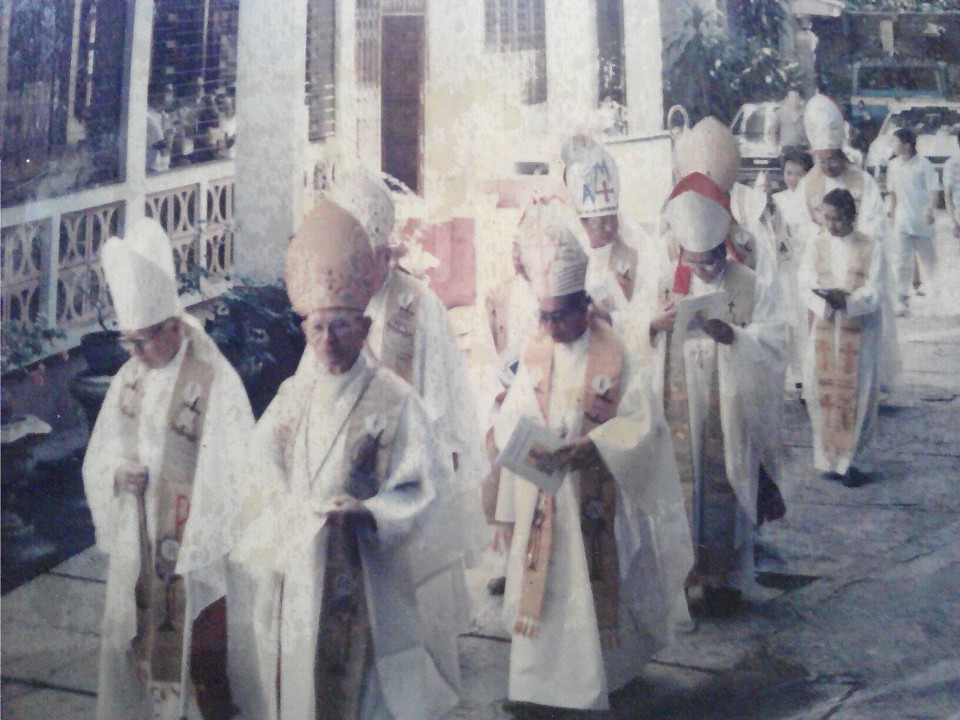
(344, 647)
(713, 504)
(816, 189)
(159, 592)
(400, 325)
(600, 398)
(837, 351)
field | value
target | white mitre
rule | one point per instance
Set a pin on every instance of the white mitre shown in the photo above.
(551, 253)
(140, 272)
(699, 213)
(592, 178)
(824, 124)
(366, 197)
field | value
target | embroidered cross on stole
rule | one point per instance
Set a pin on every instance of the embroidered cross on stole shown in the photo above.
(599, 401)
(160, 596)
(837, 352)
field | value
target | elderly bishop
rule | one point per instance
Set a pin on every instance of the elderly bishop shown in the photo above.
(345, 465)
(161, 475)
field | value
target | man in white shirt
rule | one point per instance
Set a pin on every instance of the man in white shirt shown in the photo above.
(912, 182)
(951, 187)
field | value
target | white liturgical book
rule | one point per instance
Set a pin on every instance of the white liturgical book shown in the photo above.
(528, 438)
(693, 313)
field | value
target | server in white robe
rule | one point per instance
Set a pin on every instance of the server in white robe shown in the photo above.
(792, 235)
(343, 464)
(722, 391)
(832, 171)
(595, 569)
(841, 280)
(162, 478)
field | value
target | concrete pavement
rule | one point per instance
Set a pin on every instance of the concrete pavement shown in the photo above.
(867, 625)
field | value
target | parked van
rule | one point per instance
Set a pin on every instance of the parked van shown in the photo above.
(877, 83)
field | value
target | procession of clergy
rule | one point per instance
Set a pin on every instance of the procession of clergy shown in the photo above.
(311, 564)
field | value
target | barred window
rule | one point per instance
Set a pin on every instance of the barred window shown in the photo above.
(610, 43)
(62, 63)
(321, 69)
(519, 26)
(368, 42)
(193, 71)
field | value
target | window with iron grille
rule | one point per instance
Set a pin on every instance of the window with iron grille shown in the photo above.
(193, 72)
(321, 69)
(610, 44)
(519, 26)
(62, 67)
(368, 42)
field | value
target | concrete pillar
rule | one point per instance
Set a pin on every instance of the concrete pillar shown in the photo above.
(134, 120)
(271, 134)
(572, 57)
(642, 50)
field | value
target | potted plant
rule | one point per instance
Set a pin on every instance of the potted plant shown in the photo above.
(101, 348)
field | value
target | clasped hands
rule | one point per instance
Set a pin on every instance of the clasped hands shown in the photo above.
(835, 297)
(718, 330)
(348, 509)
(579, 454)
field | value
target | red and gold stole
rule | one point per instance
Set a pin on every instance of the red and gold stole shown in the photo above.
(713, 527)
(837, 351)
(160, 597)
(599, 400)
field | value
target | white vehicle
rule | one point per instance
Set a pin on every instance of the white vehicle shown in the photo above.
(755, 127)
(933, 122)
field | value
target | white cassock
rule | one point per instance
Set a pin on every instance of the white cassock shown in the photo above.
(793, 213)
(867, 303)
(441, 379)
(564, 665)
(872, 221)
(211, 530)
(286, 538)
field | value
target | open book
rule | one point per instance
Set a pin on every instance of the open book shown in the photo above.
(693, 313)
(528, 437)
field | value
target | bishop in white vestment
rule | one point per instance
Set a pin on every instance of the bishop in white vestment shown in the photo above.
(344, 464)
(595, 569)
(162, 477)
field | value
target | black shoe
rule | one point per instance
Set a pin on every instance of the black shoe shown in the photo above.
(855, 478)
(497, 586)
(720, 602)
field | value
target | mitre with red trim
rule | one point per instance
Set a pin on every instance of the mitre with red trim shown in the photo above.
(699, 213)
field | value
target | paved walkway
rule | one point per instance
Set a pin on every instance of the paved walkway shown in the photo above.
(867, 626)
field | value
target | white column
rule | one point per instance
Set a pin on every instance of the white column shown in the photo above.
(642, 47)
(271, 133)
(572, 64)
(134, 123)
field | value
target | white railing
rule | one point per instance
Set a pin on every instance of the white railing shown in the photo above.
(56, 277)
